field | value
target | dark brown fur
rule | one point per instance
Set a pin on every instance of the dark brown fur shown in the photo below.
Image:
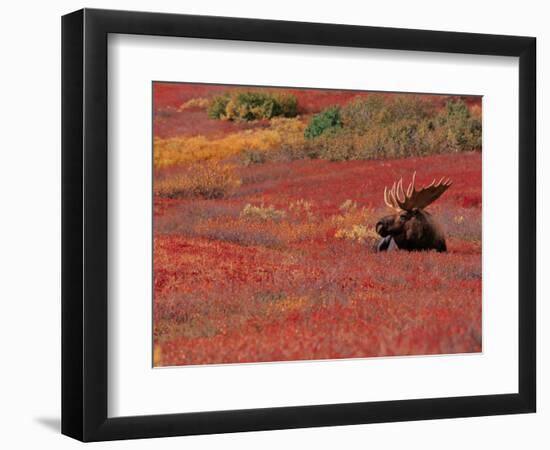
(410, 230)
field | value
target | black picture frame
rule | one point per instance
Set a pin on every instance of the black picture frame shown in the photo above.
(84, 224)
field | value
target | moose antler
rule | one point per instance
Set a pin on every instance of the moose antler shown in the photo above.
(397, 199)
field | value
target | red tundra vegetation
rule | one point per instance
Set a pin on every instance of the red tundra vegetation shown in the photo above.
(276, 260)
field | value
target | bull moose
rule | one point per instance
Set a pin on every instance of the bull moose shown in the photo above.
(411, 227)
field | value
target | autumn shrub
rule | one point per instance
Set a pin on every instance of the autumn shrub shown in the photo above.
(341, 146)
(294, 145)
(463, 128)
(363, 114)
(407, 107)
(252, 105)
(326, 120)
(289, 144)
(216, 108)
(207, 180)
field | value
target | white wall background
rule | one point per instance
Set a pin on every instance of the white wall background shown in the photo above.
(30, 225)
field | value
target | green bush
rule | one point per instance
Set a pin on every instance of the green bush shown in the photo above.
(328, 119)
(216, 108)
(252, 105)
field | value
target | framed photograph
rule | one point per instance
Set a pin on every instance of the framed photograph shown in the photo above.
(273, 224)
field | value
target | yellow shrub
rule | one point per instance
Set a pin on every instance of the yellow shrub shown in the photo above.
(285, 125)
(208, 180)
(181, 150)
(174, 151)
(293, 142)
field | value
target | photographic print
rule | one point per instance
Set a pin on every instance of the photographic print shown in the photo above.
(314, 224)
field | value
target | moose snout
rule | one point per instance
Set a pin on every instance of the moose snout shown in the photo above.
(381, 229)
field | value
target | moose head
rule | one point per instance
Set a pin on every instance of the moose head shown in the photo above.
(411, 227)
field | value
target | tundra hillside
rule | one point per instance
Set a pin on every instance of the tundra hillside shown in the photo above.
(265, 205)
